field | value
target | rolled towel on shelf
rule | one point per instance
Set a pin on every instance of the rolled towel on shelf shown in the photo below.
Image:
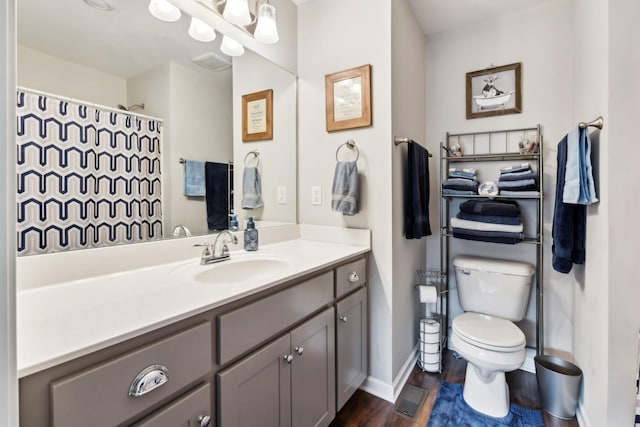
(345, 191)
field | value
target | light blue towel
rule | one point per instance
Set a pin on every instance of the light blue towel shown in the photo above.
(251, 189)
(194, 178)
(579, 186)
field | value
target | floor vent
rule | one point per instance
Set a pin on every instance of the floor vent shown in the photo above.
(410, 400)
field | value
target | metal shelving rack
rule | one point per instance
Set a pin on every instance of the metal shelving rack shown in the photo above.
(471, 148)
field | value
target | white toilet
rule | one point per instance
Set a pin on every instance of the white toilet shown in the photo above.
(493, 293)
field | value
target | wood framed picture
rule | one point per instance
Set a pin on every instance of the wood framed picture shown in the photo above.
(494, 91)
(348, 98)
(257, 116)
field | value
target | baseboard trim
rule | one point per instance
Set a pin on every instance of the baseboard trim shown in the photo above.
(390, 392)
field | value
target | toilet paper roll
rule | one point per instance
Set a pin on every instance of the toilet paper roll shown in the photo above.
(428, 294)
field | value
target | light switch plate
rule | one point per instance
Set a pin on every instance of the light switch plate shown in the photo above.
(282, 195)
(316, 195)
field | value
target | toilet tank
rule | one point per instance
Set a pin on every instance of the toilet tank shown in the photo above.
(492, 286)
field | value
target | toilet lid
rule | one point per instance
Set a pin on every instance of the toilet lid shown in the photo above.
(488, 331)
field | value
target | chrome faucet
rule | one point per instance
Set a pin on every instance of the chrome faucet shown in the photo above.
(176, 231)
(209, 252)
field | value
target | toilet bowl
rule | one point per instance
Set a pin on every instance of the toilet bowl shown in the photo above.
(491, 346)
(493, 294)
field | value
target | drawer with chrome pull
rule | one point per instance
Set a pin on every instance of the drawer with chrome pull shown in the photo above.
(112, 392)
(350, 276)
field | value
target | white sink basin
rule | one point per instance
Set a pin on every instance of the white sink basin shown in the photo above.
(239, 268)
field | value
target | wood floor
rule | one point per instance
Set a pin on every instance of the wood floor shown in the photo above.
(364, 409)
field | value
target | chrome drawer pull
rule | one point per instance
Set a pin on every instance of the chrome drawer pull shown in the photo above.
(288, 358)
(343, 318)
(299, 350)
(148, 380)
(353, 277)
(204, 420)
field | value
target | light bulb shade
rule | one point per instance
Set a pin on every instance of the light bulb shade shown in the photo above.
(231, 47)
(237, 12)
(201, 31)
(164, 11)
(267, 29)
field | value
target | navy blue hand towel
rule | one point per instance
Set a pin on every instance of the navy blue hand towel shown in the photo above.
(569, 222)
(217, 195)
(416, 197)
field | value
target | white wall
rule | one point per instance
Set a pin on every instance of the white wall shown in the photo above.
(201, 129)
(339, 35)
(278, 155)
(624, 316)
(590, 282)
(546, 58)
(408, 103)
(8, 377)
(43, 72)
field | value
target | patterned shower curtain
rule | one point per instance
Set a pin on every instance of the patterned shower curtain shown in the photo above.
(87, 177)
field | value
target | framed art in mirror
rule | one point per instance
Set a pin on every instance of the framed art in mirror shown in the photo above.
(494, 91)
(348, 98)
(257, 116)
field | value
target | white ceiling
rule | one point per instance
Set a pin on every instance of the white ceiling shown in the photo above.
(442, 15)
(128, 40)
(124, 42)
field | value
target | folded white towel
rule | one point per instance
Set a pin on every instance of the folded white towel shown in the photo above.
(485, 226)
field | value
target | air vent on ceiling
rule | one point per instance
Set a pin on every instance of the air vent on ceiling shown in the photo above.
(212, 62)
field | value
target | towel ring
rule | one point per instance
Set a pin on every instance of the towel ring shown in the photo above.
(256, 155)
(351, 145)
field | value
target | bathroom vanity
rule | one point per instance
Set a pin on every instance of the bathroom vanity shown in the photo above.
(281, 349)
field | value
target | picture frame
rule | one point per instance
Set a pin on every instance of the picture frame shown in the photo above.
(494, 91)
(257, 116)
(348, 98)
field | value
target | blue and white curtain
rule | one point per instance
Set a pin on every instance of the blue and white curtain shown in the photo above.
(86, 177)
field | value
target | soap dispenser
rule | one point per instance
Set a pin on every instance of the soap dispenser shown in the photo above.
(233, 224)
(251, 236)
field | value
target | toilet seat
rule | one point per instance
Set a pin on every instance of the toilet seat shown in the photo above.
(488, 332)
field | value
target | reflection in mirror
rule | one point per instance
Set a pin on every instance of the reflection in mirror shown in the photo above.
(124, 59)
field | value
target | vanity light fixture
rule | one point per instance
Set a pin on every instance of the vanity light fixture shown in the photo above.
(266, 29)
(231, 47)
(237, 12)
(201, 31)
(164, 11)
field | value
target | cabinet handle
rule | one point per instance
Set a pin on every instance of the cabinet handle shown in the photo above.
(353, 277)
(299, 350)
(343, 318)
(288, 358)
(148, 380)
(204, 420)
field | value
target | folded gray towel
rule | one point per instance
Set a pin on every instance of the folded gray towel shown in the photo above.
(251, 189)
(345, 194)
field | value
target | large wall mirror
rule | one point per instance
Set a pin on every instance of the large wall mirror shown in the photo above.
(126, 60)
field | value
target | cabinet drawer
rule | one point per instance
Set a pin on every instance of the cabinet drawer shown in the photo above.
(244, 328)
(350, 276)
(99, 396)
(188, 410)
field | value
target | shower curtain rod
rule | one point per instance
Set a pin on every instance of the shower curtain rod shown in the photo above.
(89, 104)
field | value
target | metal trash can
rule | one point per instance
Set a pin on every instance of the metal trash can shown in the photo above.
(558, 385)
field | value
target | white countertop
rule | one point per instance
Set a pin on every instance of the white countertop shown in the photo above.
(60, 322)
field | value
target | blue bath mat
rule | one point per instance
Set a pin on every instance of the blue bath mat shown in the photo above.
(450, 410)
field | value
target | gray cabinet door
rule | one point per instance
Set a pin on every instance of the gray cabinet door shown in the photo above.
(257, 390)
(351, 330)
(313, 371)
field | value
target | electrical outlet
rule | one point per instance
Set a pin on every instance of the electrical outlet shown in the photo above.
(316, 195)
(282, 195)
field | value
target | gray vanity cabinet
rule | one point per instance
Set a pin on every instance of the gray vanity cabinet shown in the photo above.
(351, 343)
(289, 382)
(190, 410)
